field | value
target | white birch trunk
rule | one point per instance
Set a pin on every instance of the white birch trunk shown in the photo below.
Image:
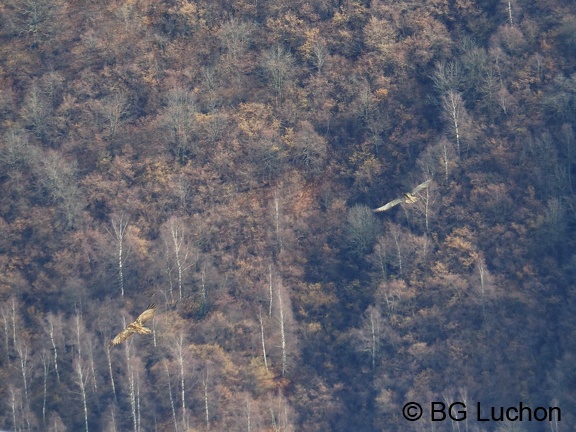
(263, 341)
(282, 332)
(172, 406)
(54, 347)
(206, 408)
(119, 225)
(110, 371)
(82, 384)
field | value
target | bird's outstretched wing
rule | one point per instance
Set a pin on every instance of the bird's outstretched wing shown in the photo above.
(147, 314)
(136, 327)
(421, 186)
(408, 198)
(123, 335)
(389, 205)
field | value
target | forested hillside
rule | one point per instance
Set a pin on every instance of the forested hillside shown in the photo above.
(222, 159)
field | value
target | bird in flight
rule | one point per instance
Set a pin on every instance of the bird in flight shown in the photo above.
(136, 327)
(407, 198)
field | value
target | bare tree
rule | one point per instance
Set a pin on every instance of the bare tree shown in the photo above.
(278, 64)
(270, 289)
(178, 250)
(380, 257)
(110, 424)
(37, 110)
(263, 339)
(54, 327)
(206, 406)
(281, 414)
(319, 55)
(22, 350)
(45, 361)
(277, 225)
(448, 157)
(38, 19)
(92, 364)
(110, 371)
(180, 353)
(178, 120)
(81, 380)
(16, 152)
(16, 406)
(398, 239)
(60, 179)
(439, 158)
(56, 424)
(553, 227)
(455, 114)
(172, 404)
(485, 285)
(133, 376)
(248, 416)
(113, 109)
(10, 320)
(235, 36)
(308, 150)
(447, 76)
(362, 229)
(282, 321)
(286, 324)
(510, 21)
(367, 338)
(424, 210)
(119, 226)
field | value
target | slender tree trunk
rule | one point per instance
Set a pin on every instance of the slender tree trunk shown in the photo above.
(180, 359)
(13, 406)
(263, 341)
(23, 355)
(277, 222)
(482, 290)
(172, 406)
(92, 367)
(54, 347)
(455, 117)
(177, 243)
(282, 332)
(248, 416)
(396, 237)
(453, 111)
(138, 411)
(119, 225)
(45, 389)
(131, 385)
(78, 334)
(274, 422)
(206, 409)
(82, 384)
(177, 240)
(110, 371)
(113, 415)
(445, 159)
(203, 284)
(154, 339)
(374, 326)
(6, 335)
(14, 321)
(270, 289)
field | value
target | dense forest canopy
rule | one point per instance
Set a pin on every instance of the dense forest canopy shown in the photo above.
(222, 159)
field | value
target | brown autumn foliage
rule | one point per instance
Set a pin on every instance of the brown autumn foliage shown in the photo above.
(221, 159)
